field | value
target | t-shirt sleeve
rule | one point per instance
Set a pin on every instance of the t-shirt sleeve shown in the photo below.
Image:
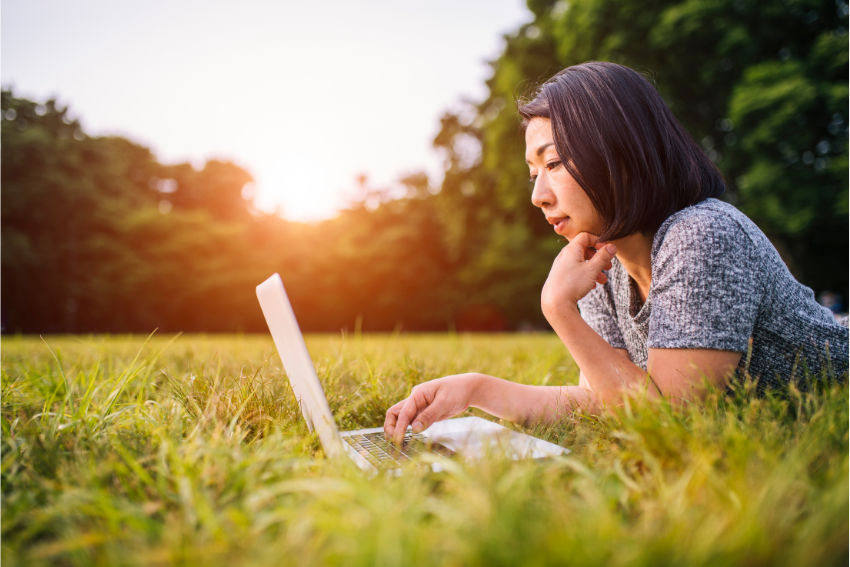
(597, 309)
(706, 286)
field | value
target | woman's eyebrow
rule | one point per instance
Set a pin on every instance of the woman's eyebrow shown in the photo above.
(539, 151)
(542, 148)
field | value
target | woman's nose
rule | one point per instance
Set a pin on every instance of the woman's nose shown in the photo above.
(542, 196)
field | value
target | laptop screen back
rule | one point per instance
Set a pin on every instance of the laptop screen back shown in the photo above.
(297, 363)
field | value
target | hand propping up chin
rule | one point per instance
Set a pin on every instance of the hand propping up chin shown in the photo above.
(575, 272)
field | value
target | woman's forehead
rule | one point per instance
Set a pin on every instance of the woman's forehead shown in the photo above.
(538, 137)
(539, 126)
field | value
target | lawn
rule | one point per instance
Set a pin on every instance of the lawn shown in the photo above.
(191, 451)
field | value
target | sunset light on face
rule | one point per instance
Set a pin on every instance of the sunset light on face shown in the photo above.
(306, 97)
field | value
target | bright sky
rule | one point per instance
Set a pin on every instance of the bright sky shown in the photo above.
(305, 96)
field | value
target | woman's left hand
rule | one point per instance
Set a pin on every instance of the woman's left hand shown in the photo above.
(575, 272)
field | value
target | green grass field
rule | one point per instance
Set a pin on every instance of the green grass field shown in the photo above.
(191, 452)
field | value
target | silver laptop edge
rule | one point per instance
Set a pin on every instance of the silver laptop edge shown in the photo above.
(297, 363)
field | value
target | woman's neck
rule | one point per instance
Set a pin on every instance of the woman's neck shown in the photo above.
(635, 254)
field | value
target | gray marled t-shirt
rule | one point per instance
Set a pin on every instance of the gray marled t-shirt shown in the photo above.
(717, 283)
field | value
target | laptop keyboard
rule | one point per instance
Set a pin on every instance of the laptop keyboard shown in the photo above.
(383, 454)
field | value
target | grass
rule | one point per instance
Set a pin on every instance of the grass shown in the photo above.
(190, 451)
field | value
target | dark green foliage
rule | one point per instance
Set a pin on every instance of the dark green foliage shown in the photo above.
(84, 246)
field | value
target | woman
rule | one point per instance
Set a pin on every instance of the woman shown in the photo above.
(662, 289)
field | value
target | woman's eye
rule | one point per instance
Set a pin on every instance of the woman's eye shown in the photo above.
(552, 165)
(532, 179)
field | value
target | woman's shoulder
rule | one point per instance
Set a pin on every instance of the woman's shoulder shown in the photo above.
(709, 224)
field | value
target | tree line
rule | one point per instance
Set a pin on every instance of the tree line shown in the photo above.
(98, 236)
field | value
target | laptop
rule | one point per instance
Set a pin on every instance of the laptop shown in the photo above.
(467, 437)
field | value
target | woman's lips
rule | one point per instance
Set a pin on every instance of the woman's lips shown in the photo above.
(558, 223)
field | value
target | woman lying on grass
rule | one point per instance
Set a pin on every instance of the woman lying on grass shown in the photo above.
(691, 292)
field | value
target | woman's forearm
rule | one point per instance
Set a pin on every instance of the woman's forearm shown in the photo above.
(609, 374)
(521, 403)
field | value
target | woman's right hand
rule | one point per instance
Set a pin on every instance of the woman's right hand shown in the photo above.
(575, 272)
(430, 402)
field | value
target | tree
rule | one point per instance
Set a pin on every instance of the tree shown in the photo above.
(86, 244)
(98, 236)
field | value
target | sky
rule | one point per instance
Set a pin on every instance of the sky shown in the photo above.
(305, 96)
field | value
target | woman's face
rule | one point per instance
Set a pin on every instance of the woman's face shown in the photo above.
(565, 204)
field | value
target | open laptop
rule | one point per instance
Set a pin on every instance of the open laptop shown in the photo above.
(469, 437)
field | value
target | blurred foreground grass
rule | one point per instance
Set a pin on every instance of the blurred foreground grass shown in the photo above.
(191, 451)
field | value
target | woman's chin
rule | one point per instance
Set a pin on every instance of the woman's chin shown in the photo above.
(572, 234)
(567, 231)
(569, 228)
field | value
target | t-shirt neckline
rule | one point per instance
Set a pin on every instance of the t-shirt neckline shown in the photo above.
(637, 312)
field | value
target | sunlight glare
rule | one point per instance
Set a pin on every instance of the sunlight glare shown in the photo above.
(296, 186)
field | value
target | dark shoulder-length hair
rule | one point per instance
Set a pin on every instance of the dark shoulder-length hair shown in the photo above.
(621, 143)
